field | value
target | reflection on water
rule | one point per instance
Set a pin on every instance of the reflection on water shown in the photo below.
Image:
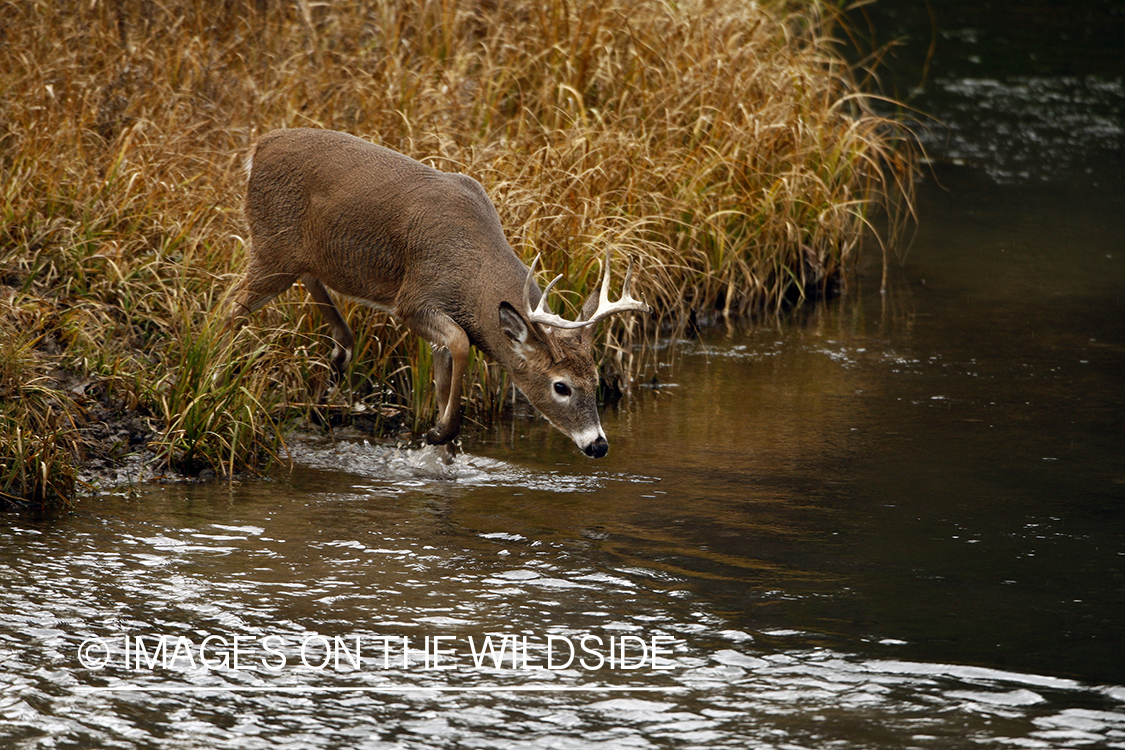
(318, 557)
(1018, 91)
(1027, 128)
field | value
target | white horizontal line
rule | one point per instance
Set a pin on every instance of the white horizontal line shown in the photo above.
(368, 689)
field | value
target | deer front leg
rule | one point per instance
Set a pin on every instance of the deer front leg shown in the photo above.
(443, 371)
(451, 358)
(341, 334)
(443, 374)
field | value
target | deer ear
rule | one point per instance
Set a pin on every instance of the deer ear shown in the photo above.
(525, 337)
(513, 325)
(588, 309)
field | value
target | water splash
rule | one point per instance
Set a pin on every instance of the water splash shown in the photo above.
(429, 466)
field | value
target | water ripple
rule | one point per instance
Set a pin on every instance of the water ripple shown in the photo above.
(717, 686)
(1027, 128)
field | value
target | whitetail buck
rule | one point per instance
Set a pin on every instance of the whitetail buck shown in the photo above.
(335, 211)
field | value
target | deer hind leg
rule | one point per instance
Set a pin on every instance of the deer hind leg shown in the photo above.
(341, 334)
(451, 358)
(255, 290)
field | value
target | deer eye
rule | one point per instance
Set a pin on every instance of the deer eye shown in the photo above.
(562, 388)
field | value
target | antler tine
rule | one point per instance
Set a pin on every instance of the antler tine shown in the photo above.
(625, 303)
(527, 286)
(540, 314)
(605, 308)
(543, 299)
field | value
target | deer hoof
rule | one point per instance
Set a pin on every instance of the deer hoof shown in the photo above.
(439, 435)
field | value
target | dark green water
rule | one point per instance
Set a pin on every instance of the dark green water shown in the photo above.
(896, 520)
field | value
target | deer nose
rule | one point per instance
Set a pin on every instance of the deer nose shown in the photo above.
(597, 449)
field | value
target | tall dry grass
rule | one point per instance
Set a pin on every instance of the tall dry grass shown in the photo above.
(723, 142)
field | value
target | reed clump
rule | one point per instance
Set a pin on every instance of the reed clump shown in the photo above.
(725, 144)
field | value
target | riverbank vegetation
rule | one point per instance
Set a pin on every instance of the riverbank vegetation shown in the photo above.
(724, 144)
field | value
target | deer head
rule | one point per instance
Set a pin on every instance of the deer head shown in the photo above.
(553, 357)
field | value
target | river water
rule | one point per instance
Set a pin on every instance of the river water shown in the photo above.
(894, 520)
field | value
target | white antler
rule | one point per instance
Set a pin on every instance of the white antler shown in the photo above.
(626, 302)
(541, 314)
(605, 308)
